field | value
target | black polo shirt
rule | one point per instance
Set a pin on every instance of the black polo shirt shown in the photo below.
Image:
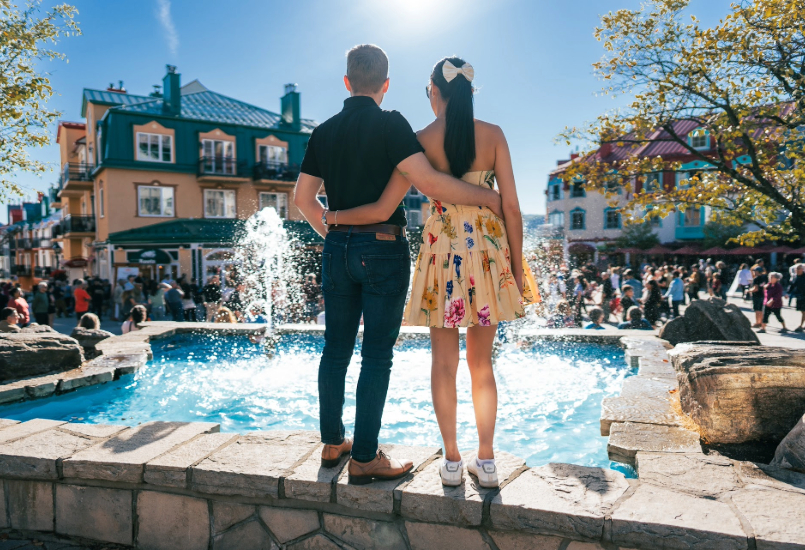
(356, 151)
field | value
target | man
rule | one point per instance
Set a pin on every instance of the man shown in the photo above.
(211, 294)
(607, 294)
(637, 286)
(173, 302)
(20, 305)
(9, 319)
(676, 292)
(365, 269)
(82, 298)
(41, 303)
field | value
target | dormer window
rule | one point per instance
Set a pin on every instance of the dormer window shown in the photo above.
(272, 154)
(699, 139)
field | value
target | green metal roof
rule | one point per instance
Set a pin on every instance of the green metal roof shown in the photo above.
(207, 231)
(204, 106)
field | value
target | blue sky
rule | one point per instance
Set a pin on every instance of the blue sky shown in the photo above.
(532, 60)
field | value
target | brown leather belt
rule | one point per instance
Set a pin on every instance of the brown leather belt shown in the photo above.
(385, 228)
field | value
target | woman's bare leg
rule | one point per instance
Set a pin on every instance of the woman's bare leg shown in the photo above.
(484, 389)
(444, 365)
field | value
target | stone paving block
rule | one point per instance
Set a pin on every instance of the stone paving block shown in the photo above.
(643, 386)
(123, 457)
(423, 498)
(759, 476)
(379, 496)
(316, 542)
(93, 430)
(168, 521)
(524, 541)
(365, 534)
(656, 369)
(30, 505)
(777, 517)
(311, 481)
(227, 514)
(44, 386)
(644, 410)
(253, 465)
(24, 429)
(697, 474)
(87, 376)
(35, 457)
(121, 363)
(558, 499)
(289, 523)
(427, 536)
(681, 522)
(94, 513)
(11, 393)
(627, 439)
(170, 470)
(247, 536)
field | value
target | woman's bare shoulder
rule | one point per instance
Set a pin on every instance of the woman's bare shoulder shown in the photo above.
(488, 130)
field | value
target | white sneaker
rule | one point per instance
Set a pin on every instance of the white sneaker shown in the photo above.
(487, 474)
(452, 473)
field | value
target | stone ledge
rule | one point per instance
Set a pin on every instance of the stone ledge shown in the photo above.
(627, 439)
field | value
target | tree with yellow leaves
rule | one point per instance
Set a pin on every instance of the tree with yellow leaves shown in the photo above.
(731, 97)
(25, 36)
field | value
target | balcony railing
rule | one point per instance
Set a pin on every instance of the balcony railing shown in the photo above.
(222, 166)
(23, 271)
(24, 244)
(36, 243)
(75, 171)
(42, 271)
(270, 170)
(78, 224)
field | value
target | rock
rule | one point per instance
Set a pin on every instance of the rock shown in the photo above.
(36, 456)
(777, 517)
(428, 536)
(737, 394)
(227, 514)
(30, 505)
(710, 319)
(287, 523)
(38, 329)
(791, 451)
(23, 354)
(172, 521)
(249, 535)
(507, 540)
(170, 470)
(312, 481)
(364, 534)
(317, 542)
(94, 513)
(643, 410)
(627, 439)
(707, 476)
(88, 338)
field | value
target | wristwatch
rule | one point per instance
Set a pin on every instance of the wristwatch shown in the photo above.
(324, 217)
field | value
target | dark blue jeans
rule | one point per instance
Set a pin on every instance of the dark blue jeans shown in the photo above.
(360, 275)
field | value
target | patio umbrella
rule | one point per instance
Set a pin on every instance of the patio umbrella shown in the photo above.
(782, 249)
(630, 251)
(798, 251)
(715, 251)
(688, 251)
(745, 251)
(658, 250)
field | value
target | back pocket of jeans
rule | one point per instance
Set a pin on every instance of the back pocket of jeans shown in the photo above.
(326, 278)
(387, 274)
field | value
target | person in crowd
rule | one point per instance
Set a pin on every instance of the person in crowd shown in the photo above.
(9, 320)
(58, 298)
(98, 297)
(82, 298)
(235, 301)
(173, 302)
(69, 299)
(744, 279)
(757, 290)
(652, 300)
(773, 301)
(158, 301)
(41, 303)
(676, 292)
(616, 277)
(225, 315)
(596, 318)
(627, 299)
(188, 304)
(636, 286)
(635, 320)
(716, 285)
(90, 321)
(798, 290)
(211, 294)
(138, 315)
(312, 291)
(19, 303)
(607, 294)
(562, 316)
(694, 283)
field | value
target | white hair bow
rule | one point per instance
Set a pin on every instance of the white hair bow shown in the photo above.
(450, 71)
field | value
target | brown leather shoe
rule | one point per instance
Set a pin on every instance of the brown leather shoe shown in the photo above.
(331, 454)
(383, 467)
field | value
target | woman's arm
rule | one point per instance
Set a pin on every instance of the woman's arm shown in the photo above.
(512, 216)
(376, 212)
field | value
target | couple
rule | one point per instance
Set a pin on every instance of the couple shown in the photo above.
(469, 272)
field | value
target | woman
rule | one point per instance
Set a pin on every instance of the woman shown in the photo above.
(652, 301)
(188, 304)
(138, 315)
(470, 270)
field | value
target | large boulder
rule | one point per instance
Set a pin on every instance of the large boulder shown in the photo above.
(737, 393)
(39, 329)
(791, 451)
(23, 355)
(710, 319)
(88, 338)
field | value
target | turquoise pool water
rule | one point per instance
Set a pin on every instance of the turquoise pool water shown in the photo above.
(549, 393)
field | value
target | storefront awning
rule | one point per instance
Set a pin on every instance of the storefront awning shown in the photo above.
(149, 256)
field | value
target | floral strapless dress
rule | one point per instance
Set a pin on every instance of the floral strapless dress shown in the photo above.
(463, 274)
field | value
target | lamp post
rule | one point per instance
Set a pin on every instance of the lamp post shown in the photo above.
(56, 251)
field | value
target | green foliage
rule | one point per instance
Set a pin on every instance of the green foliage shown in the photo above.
(637, 235)
(25, 36)
(718, 234)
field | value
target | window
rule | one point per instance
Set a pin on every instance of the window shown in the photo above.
(219, 204)
(155, 201)
(682, 180)
(414, 218)
(557, 219)
(219, 156)
(272, 154)
(100, 200)
(612, 219)
(653, 184)
(692, 217)
(154, 147)
(577, 190)
(277, 201)
(577, 219)
(555, 191)
(699, 139)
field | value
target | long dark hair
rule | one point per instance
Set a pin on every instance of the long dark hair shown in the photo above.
(459, 135)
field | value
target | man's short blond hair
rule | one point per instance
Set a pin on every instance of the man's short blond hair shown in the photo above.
(367, 68)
